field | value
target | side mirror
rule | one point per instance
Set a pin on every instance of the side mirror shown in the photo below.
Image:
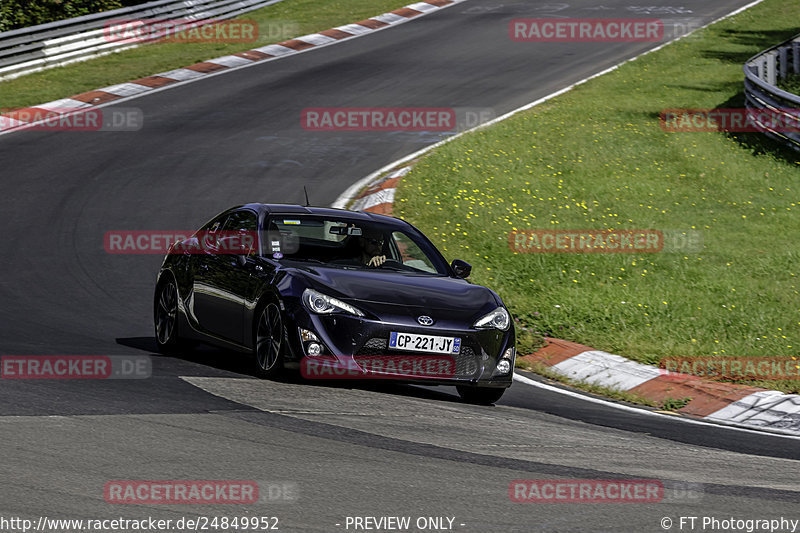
(461, 268)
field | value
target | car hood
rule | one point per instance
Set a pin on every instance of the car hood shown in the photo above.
(370, 288)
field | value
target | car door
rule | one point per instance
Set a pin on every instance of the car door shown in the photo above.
(203, 261)
(223, 280)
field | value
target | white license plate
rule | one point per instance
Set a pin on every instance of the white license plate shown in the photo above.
(424, 343)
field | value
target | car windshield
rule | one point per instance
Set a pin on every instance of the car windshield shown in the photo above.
(351, 244)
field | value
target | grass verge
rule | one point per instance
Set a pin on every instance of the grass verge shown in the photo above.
(597, 158)
(275, 23)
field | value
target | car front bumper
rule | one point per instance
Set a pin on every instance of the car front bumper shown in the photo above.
(351, 342)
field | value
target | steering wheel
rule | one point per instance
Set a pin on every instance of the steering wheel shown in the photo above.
(393, 263)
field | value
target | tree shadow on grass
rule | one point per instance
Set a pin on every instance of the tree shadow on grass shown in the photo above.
(711, 86)
(755, 41)
(757, 143)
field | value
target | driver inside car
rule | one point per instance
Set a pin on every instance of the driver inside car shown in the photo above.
(371, 243)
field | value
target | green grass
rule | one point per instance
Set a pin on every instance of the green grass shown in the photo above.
(790, 84)
(673, 404)
(596, 157)
(278, 22)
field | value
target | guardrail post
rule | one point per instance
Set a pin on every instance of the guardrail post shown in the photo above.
(783, 53)
(796, 56)
(770, 64)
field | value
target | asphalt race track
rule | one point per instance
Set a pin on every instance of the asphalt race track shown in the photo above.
(345, 451)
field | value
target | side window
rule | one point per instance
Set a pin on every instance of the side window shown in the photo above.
(214, 225)
(207, 235)
(241, 229)
(410, 254)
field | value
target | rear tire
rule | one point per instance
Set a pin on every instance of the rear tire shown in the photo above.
(269, 342)
(480, 395)
(165, 317)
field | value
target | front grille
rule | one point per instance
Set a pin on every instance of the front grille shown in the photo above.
(466, 361)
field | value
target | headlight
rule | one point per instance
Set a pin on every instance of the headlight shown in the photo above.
(498, 319)
(322, 304)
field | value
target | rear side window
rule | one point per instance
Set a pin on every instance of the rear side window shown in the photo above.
(214, 225)
(241, 221)
(244, 224)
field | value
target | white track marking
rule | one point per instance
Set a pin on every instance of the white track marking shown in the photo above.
(720, 424)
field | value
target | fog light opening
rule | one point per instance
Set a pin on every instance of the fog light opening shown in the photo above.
(504, 366)
(506, 362)
(314, 348)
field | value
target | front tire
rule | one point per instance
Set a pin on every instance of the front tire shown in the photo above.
(166, 318)
(480, 395)
(269, 346)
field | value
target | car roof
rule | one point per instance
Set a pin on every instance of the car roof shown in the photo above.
(287, 209)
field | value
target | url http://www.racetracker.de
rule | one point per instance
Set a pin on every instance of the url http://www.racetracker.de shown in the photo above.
(198, 523)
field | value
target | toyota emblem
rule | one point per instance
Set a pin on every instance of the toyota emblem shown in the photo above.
(425, 320)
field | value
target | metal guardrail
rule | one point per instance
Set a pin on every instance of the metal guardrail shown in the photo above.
(762, 72)
(58, 43)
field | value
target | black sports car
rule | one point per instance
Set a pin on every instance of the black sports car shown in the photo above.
(335, 294)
